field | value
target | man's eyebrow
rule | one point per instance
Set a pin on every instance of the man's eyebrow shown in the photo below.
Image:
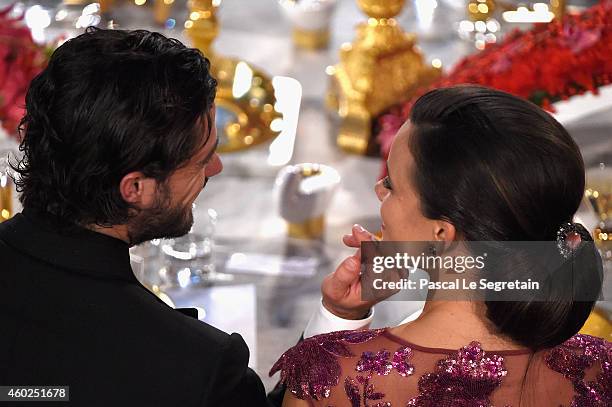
(210, 153)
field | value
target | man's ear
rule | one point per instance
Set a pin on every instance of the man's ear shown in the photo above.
(138, 190)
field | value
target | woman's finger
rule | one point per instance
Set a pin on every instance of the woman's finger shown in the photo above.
(350, 241)
(360, 234)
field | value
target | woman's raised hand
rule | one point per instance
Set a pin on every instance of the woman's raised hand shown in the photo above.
(341, 289)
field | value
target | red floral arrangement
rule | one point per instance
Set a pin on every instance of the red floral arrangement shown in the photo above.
(20, 60)
(548, 63)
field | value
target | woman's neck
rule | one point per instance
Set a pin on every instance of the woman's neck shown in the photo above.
(453, 324)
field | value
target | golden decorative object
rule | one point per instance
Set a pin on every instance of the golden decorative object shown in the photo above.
(308, 39)
(598, 324)
(106, 5)
(382, 67)
(558, 7)
(6, 198)
(480, 10)
(602, 234)
(310, 229)
(246, 114)
(202, 27)
(599, 191)
(6, 184)
(162, 10)
(311, 20)
(305, 192)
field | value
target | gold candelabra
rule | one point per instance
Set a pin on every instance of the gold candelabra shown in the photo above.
(202, 27)
(380, 68)
(6, 185)
(245, 95)
(6, 199)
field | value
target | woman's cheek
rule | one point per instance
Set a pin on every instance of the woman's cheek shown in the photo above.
(389, 222)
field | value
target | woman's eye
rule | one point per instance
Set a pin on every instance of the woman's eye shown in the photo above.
(386, 182)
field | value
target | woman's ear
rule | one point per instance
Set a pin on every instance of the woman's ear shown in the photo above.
(444, 231)
(138, 190)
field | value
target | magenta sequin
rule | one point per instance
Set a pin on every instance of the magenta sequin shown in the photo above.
(310, 369)
(378, 363)
(400, 361)
(464, 379)
(355, 397)
(573, 358)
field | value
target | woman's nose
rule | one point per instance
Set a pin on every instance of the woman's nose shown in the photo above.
(215, 166)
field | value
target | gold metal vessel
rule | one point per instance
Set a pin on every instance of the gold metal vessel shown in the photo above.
(382, 67)
(245, 95)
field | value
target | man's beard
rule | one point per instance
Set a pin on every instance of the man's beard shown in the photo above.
(162, 220)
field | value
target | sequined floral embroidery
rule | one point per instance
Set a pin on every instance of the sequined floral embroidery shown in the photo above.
(400, 361)
(574, 357)
(378, 363)
(310, 369)
(464, 379)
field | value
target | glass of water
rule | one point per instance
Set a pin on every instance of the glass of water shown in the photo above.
(190, 259)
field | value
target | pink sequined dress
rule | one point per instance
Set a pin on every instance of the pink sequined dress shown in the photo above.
(375, 368)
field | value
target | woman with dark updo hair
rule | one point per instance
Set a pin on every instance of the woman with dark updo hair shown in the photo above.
(475, 165)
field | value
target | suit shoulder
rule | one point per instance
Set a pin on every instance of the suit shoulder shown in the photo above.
(173, 323)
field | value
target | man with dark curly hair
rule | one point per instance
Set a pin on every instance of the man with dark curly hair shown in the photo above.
(118, 140)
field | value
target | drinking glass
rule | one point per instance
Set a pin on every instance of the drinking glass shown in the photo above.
(190, 259)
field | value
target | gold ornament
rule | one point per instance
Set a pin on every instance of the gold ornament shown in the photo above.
(6, 184)
(310, 229)
(245, 95)
(311, 39)
(598, 324)
(305, 192)
(311, 20)
(481, 10)
(106, 5)
(382, 67)
(6, 198)
(202, 27)
(558, 8)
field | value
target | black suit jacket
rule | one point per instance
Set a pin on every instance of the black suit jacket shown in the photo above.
(72, 313)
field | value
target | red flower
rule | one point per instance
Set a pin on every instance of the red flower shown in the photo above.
(20, 60)
(548, 63)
